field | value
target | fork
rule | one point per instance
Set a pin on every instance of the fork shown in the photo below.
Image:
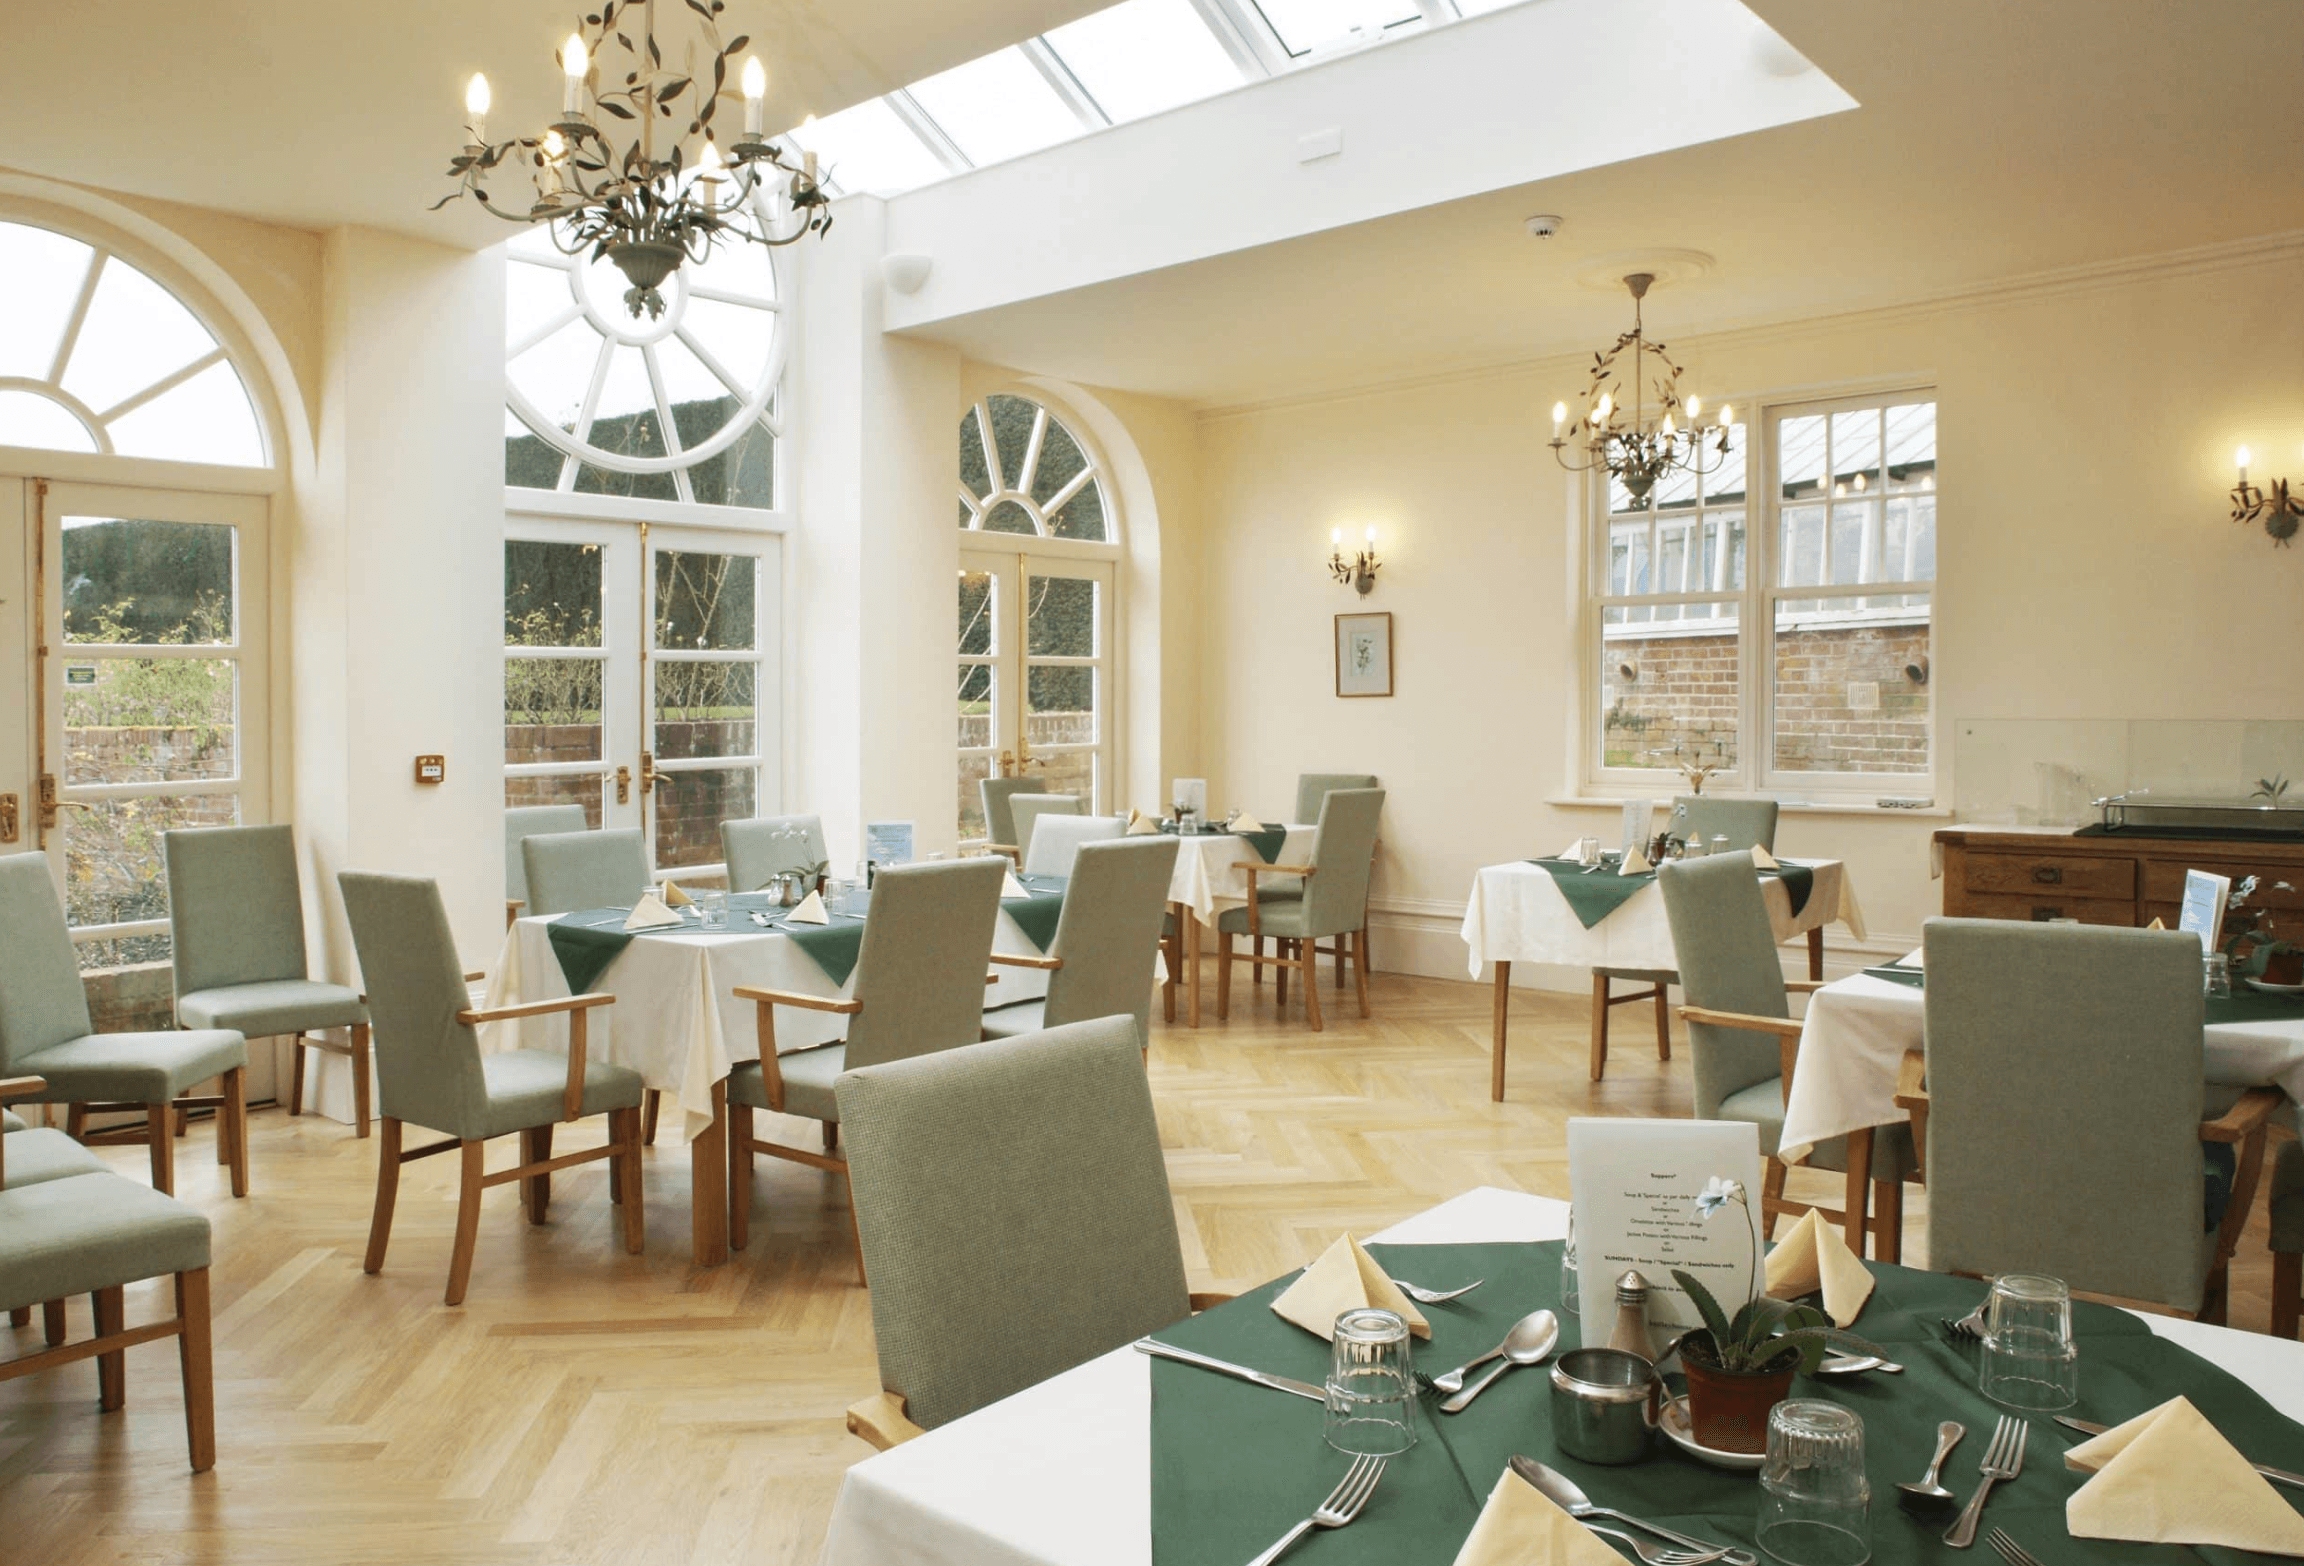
(1664, 1555)
(1971, 1325)
(1343, 1504)
(2003, 1459)
(1424, 1296)
(2010, 1551)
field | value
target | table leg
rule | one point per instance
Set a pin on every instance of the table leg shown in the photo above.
(1190, 924)
(1503, 1014)
(708, 1183)
(1599, 1024)
(1859, 1189)
(1816, 953)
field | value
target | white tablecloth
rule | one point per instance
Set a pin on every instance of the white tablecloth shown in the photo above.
(677, 1020)
(1058, 1475)
(1853, 1040)
(1517, 914)
(1208, 878)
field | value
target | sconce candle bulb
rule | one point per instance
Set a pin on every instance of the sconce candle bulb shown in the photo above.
(1359, 571)
(2281, 513)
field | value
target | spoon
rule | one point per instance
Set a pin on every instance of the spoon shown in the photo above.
(1564, 1493)
(1453, 1381)
(1856, 1364)
(1928, 1498)
(1528, 1343)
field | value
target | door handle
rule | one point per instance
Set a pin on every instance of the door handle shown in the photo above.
(11, 820)
(647, 773)
(623, 785)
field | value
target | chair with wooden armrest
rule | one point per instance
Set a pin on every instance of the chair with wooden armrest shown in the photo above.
(918, 987)
(1333, 903)
(2065, 1114)
(430, 1072)
(999, 819)
(524, 822)
(574, 870)
(767, 846)
(1311, 789)
(1024, 1170)
(1027, 809)
(1746, 823)
(1057, 836)
(1745, 1045)
(34, 1156)
(1107, 937)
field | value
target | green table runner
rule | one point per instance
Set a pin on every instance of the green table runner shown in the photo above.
(1234, 1465)
(586, 943)
(1267, 843)
(1592, 895)
(2242, 1005)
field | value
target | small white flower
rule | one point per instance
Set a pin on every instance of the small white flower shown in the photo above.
(1718, 1192)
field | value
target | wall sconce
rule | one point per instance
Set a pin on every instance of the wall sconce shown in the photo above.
(1359, 571)
(2278, 509)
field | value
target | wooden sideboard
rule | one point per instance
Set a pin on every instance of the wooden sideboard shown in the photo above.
(2125, 880)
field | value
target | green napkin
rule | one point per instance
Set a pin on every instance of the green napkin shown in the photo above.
(1592, 895)
(832, 947)
(1798, 881)
(1267, 843)
(586, 943)
(1037, 914)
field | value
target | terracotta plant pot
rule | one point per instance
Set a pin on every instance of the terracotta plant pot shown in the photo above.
(2286, 968)
(1729, 1408)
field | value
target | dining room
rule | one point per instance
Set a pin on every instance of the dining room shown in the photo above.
(1005, 784)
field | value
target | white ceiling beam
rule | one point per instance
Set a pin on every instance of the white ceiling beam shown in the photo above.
(1058, 75)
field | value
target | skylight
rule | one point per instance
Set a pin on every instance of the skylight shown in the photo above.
(867, 148)
(1306, 26)
(997, 107)
(1143, 56)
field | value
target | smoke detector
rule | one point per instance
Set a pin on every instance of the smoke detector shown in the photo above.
(1544, 225)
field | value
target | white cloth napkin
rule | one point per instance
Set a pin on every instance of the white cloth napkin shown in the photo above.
(810, 911)
(650, 914)
(1814, 1256)
(1764, 860)
(1345, 1278)
(1520, 1526)
(1142, 825)
(1011, 887)
(2169, 1477)
(1573, 853)
(1635, 863)
(1245, 822)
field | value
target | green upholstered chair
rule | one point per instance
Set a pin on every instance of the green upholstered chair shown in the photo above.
(918, 987)
(525, 822)
(770, 845)
(1107, 940)
(236, 918)
(999, 820)
(1026, 1171)
(45, 1031)
(74, 1227)
(1746, 1045)
(568, 871)
(1313, 787)
(2063, 1112)
(1746, 823)
(2286, 1206)
(1027, 809)
(1056, 839)
(431, 1072)
(1332, 904)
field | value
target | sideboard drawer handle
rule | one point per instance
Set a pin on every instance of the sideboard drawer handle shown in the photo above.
(2048, 875)
(2046, 915)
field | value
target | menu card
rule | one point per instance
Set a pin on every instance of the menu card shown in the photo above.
(1638, 815)
(2205, 897)
(1634, 1184)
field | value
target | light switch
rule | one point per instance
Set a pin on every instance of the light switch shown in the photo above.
(431, 769)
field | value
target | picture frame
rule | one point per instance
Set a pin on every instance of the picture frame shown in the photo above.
(1364, 654)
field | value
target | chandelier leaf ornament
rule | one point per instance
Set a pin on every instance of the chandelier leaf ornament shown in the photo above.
(1640, 442)
(659, 190)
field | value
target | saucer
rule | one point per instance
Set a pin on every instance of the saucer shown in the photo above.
(1674, 1422)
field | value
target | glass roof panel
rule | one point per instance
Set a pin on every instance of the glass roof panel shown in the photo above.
(1306, 25)
(1143, 56)
(867, 148)
(1482, 7)
(997, 107)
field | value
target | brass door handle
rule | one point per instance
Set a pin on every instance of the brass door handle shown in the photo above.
(623, 785)
(648, 773)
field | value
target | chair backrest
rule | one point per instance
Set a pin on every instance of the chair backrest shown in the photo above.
(1026, 1171)
(1029, 808)
(999, 820)
(235, 909)
(1313, 787)
(1109, 932)
(572, 870)
(2065, 1095)
(1726, 953)
(1056, 839)
(1746, 823)
(770, 845)
(533, 821)
(42, 1002)
(427, 1063)
(927, 947)
(1344, 852)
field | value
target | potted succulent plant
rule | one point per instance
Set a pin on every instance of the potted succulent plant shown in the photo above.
(1740, 1367)
(2256, 949)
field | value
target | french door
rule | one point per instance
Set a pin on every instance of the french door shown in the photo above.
(641, 678)
(1034, 653)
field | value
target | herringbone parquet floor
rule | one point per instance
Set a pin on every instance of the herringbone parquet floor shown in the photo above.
(586, 1406)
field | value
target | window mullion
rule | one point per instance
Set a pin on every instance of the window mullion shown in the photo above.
(923, 125)
(1068, 87)
(1248, 38)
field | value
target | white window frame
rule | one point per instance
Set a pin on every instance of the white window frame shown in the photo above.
(1757, 603)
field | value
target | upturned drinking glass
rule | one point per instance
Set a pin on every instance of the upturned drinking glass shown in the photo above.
(1571, 1288)
(2030, 1359)
(1815, 1503)
(1371, 1384)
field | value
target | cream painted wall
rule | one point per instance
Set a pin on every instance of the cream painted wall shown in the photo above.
(2086, 568)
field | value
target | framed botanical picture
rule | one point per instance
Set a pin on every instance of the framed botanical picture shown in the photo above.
(1364, 654)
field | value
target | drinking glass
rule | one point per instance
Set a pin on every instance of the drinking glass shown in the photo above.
(2216, 976)
(1815, 1503)
(1570, 1285)
(2030, 1359)
(1587, 851)
(1371, 1385)
(715, 909)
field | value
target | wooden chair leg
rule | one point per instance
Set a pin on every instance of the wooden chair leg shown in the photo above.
(1599, 1024)
(361, 1107)
(112, 1368)
(387, 1193)
(1342, 956)
(1280, 953)
(233, 1117)
(467, 1221)
(536, 1190)
(1360, 967)
(854, 1233)
(2287, 1292)
(296, 1078)
(52, 1321)
(650, 1105)
(1256, 970)
(739, 1175)
(1771, 1196)
(1858, 1187)
(1663, 1022)
(1223, 975)
(20, 1317)
(193, 1350)
(635, 1209)
(76, 1121)
(831, 1135)
(158, 1132)
(1308, 953)
(1888, 1220)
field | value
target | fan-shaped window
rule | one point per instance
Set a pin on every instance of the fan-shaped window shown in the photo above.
(680, 407)
(96, 356)
(1022, 471)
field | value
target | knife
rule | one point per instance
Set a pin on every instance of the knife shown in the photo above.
(1226, 1367)
(2276, 1475)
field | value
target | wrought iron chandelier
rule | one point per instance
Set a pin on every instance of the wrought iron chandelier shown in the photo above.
(1621, 439)
(668, 194)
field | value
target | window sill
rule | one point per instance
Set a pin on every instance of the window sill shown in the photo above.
(1808, 807)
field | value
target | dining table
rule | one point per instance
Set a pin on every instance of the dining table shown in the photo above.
(1211, 878)
(677, 1020)
(1078, 1470)
(1545, 911)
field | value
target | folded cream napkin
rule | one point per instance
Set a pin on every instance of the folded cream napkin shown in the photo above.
(650, 914)
(1573, 853)
(2157, 923)
(1635, 863)
(1245, 822)
(1011, 887)
(1345, 1278)
(1764, 860)
(2168, 1477)
(1814, 1256)
(1520, 1525)
(1142, 825)
(674, 897)
(810, 911)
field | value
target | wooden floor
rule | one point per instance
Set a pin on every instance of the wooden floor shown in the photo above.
(588, 1406)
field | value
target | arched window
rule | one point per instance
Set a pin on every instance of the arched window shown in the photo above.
(680, 407)
(1022, 471)
(95, 356)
